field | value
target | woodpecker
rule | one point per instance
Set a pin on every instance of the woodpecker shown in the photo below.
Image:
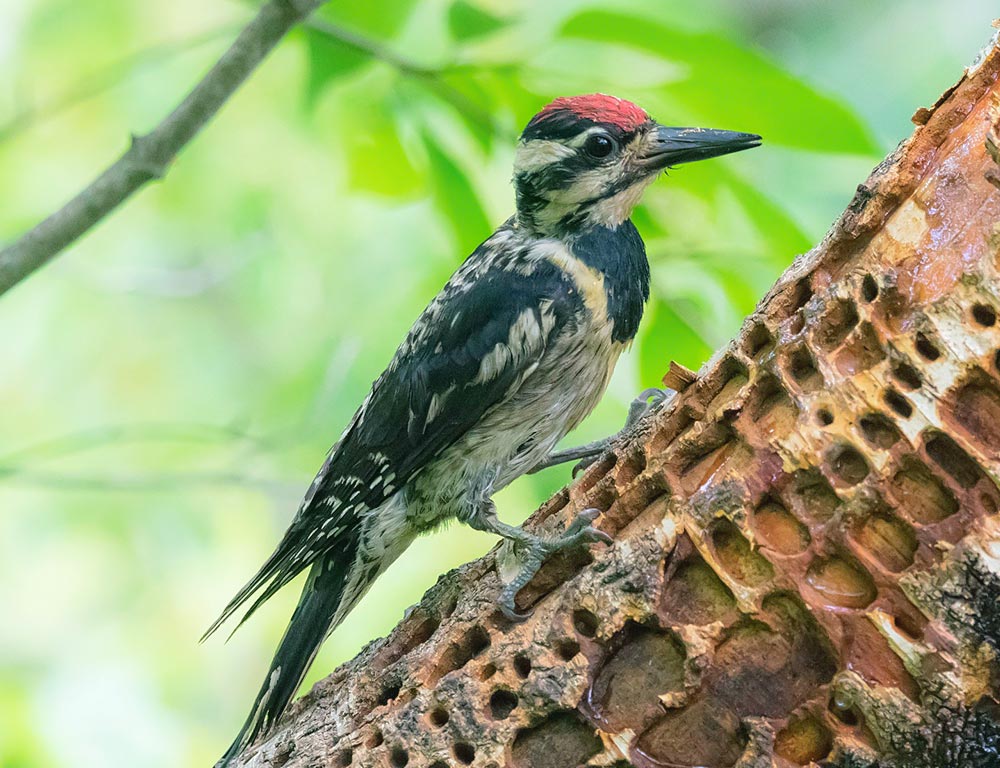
(511, 355)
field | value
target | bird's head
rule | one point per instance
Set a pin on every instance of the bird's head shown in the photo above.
(584, 161)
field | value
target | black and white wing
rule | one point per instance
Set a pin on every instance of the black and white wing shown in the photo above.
(468, 351)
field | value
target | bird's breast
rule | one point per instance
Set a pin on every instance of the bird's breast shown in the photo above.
(589, 283)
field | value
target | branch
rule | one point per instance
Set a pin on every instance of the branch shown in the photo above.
(805, 568)
(433, 78)
(149, 156)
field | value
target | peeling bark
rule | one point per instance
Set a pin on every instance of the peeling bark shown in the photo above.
(806, 567)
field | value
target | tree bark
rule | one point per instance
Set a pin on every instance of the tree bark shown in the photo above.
(806, 566)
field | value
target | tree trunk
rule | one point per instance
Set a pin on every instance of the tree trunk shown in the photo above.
(806, 564)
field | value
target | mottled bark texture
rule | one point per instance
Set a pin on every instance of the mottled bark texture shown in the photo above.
(806, 567)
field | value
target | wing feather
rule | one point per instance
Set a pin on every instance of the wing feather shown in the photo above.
(468, 352)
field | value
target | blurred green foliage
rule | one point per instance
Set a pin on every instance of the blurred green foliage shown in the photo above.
(171, 383)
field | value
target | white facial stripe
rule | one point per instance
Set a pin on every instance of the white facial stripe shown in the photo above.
(535, 155)
(538, 153)
(579, 141)
(638, 146)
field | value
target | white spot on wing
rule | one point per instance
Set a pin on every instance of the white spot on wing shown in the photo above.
(524, 341)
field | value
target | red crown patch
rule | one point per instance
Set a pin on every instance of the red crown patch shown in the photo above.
(600, 108)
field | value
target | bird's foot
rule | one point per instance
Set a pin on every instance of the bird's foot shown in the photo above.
(644, 402)
(533, 550)
(585, 455)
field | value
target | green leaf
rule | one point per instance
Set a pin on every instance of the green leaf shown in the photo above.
(329, 59)
(501, 88)
(778, 236)
(728, 86)
(700, 295)
(647, 224)
(455, 198)
(376, 159)
(469, 101)
(783, 236)
(466, 21)
(380, 20)
(666, 336)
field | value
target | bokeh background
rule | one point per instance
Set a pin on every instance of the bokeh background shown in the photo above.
(169, 386)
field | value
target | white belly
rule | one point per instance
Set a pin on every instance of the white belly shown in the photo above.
(517, 434)
(552, 401)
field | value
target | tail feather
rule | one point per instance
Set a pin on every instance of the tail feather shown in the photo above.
(311, 622)
(279, 569)
(338, 579)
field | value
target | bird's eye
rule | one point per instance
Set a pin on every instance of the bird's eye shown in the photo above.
(599, 145)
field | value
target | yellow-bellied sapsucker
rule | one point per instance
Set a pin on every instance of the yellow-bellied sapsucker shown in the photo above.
(512, 354)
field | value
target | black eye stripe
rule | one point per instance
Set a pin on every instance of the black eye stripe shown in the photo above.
(563, 126)
(558, 175)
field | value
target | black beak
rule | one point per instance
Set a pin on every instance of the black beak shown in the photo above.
(673, 146)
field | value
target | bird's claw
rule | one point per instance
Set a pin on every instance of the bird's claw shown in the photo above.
(537, 548)
(581, 530)
(646, 401)
(597, 535)
(507, 608)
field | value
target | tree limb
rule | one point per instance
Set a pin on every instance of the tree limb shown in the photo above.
(149, 156)
(432, 78)
(806, 567)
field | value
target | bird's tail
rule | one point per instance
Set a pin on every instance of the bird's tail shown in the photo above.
(318, 611)
(337, 581)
